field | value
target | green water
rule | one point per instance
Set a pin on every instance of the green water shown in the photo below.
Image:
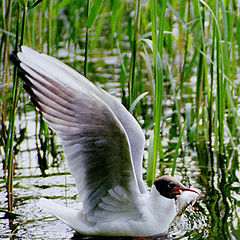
(216, 214)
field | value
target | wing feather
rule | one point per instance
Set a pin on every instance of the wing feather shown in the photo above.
(129, 123)
(95, 142)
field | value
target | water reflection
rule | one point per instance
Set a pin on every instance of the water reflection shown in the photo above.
(218, 177)
(12, 226)
(215, 216)
(77, 236)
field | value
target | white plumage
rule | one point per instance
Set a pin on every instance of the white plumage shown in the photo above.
(103, 144)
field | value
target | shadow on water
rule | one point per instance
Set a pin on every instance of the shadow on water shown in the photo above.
(77, 236)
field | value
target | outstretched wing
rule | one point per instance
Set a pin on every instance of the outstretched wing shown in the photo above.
(95, 143)
(134, 132)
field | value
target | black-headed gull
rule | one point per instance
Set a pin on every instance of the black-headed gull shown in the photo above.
(103, 144)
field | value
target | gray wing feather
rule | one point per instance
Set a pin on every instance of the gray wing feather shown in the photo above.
(129, 123)
(94, 140)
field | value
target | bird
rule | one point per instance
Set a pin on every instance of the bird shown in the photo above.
(103, 144)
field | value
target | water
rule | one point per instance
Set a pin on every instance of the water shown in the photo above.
(215, 215)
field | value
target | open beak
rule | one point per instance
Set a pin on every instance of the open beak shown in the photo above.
(180, 190)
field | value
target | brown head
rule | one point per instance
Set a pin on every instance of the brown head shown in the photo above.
(170, 187)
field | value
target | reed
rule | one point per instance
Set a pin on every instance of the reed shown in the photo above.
(220, 97)
(9, 158)
(134, 50)
(177, 149)
(186, 49)
(157, 46)
(86, 41)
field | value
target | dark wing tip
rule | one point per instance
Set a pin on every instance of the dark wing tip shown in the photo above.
(22, 74)
(14, 57)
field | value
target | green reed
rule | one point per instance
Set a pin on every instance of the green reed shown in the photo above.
(11, 128)
(134, 45)
(157, 42)
(86, 41)
(193, 46)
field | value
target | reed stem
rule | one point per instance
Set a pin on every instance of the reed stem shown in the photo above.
(132, 81)
(86, 42)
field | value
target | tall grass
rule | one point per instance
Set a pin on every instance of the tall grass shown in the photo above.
(16, 90)
(191, 46)
(134, 45)
(157, 42)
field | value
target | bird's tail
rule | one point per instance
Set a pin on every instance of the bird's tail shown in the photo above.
(67, 215)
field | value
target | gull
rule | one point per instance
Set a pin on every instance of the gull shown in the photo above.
(104, 145)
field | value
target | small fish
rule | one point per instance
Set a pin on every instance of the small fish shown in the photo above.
(186, 199)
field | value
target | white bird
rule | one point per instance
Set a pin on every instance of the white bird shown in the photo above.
(103, 144)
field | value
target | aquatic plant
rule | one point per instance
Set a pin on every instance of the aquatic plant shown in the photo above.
(175, 65)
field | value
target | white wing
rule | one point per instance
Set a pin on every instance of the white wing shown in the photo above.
(129, 123)
(96, 136)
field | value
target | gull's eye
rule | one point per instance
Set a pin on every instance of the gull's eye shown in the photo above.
(171, 185)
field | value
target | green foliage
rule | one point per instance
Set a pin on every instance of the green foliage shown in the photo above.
(183, 52)
(93, 13)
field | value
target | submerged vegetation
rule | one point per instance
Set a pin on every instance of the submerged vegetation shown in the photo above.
(174, 64)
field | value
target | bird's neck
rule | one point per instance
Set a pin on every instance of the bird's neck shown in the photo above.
(163, 209)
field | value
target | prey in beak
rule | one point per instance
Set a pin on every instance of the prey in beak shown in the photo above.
(170, 187)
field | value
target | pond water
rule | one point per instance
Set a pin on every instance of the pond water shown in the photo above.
(30, 185)
(215, 215)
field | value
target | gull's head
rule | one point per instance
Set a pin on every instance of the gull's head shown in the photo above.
(170, 187)
(162, 202)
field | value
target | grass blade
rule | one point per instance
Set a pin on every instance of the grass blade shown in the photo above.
(157, 43)
(177, 149)
(132, 80)
(93, 13)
